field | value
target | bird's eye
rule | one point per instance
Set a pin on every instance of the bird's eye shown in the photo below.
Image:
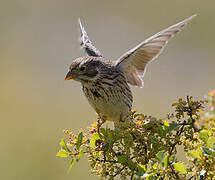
(82, 68)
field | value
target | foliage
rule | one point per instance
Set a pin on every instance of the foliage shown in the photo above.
(146, 148)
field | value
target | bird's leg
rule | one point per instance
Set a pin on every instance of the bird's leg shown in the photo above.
(98, 126)
(100, 122)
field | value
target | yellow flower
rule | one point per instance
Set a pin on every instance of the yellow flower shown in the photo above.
(133, 111)
(212, 93)
(202, 112)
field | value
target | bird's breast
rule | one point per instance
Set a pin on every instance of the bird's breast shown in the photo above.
(110, 101)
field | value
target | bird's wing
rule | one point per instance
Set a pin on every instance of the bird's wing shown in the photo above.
(86, 44)
(134, 62)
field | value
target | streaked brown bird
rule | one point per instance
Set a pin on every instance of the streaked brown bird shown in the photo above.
(105, 82)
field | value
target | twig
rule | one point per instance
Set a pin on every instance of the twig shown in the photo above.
(104, 160)
(85, 152)
(178, 133)
(119, 171)
(173, 170)
(190, 178)
(189, 112)
(132, 175)
(104, 153)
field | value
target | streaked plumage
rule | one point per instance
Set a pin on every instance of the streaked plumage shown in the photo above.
(105, 82)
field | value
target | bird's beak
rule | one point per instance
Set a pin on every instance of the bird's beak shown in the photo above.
(70, 75)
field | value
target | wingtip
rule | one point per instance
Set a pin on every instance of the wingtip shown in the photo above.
(192, 17)
(79, 22)
(188, 20)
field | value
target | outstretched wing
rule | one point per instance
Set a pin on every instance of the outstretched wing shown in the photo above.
(134, 62)
(86, 44)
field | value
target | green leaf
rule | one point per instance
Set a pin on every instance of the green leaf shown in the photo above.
(180, 167)
(64, 146)
(172, 159)
(128, 140)
(195, 154)
(79, 142)
(62, 153)
(160, 131)
(204, 134)
(154, 140)
(160, 156)
(122, 158)
(106, 145)
(80, 154)
(151, 176)
(148, 124)
(72, 163)
(205, 151)
(175, 104)
(166, 161)
(136, 115)
(141, 170)
(211, 142)
(104, 132)
(94, 137)
(173, 126)
(131, 165)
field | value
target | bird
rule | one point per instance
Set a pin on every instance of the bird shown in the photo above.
(106, 83)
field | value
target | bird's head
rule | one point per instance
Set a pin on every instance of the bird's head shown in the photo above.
(85, 69)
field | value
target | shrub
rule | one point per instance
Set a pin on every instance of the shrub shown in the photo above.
(146, 147)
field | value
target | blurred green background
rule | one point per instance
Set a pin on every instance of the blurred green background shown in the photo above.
(38, 41)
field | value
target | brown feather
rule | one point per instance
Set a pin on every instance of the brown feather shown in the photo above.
(134, 62)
